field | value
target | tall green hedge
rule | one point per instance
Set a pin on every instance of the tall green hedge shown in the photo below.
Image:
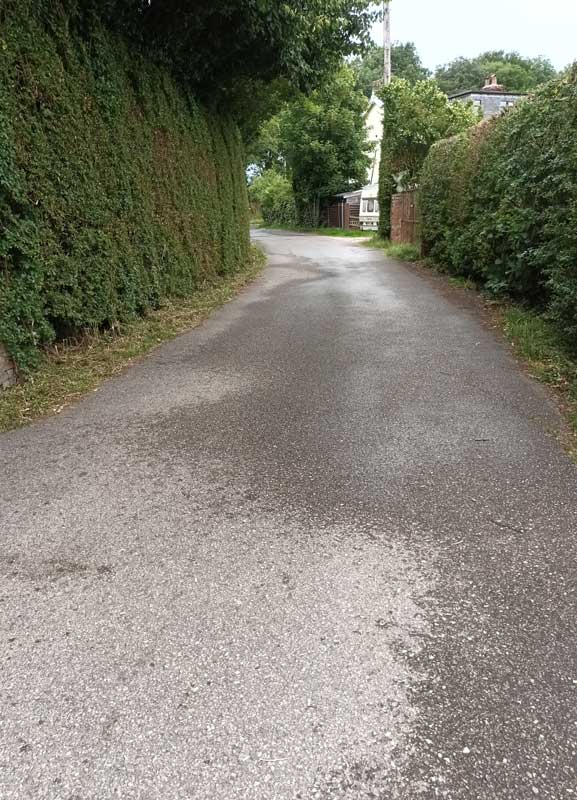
(499, 203)
(116, 187)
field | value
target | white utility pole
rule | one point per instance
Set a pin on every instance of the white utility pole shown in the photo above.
(387, 41)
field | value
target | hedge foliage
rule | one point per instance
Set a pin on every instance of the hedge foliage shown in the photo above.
(499, 203)
(116, 187)
(272, 193)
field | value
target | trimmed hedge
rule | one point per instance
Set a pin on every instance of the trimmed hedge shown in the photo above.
(116, 187)
(499, 203)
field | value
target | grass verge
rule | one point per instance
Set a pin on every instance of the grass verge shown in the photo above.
(404, 252)
(71, 369)
(315, 231)
(539, 344)
(462, 283)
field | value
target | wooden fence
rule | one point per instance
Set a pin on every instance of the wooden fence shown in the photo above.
(343, 215)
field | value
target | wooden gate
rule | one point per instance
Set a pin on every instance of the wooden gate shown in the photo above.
(405, 227)
(354, 211)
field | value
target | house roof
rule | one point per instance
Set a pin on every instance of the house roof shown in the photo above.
(346, 195)
(491, 92)
(371, 191)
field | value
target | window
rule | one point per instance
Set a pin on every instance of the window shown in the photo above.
(370, 206)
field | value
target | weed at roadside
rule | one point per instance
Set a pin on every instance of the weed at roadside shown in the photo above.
(404, 252)
(462, 283)
(538, 342)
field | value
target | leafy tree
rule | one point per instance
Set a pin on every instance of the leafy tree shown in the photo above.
(514, 72)
(415, 117)
(252, 103)
(405, 62)
(234, 54)
(264, 153)
(323, 140)
(272, 192)
(219, 44)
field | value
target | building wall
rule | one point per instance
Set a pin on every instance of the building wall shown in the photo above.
(491, 104)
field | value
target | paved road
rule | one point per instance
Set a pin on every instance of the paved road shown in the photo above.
(322, 547)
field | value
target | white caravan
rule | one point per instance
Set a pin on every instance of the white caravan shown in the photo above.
(369, 210)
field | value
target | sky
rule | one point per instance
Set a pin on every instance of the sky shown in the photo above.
(446, 29)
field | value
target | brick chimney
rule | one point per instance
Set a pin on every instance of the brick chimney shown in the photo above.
(491, 85)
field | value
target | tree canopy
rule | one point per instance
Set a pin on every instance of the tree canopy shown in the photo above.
(318, 141)
(515, 72)
(415, 117)
(405, 61)
(218, 44)
(324, 140)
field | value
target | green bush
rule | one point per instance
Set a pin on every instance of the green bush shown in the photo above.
(116, 188)
(500, 203)
(273, 194)
(415, 116)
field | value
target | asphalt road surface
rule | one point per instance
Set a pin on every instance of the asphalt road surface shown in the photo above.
(323, 546)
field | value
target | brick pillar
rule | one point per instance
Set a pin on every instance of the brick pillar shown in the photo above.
(396, 217)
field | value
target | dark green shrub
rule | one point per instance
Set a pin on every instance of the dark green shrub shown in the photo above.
(116, 187)
(387, 187)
